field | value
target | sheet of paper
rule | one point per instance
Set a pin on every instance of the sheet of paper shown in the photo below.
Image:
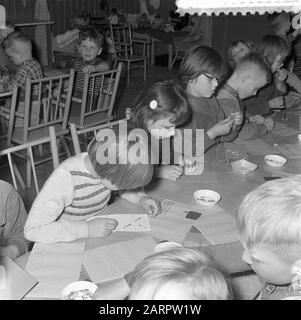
(217, 226)
(258, 147)
(116, 260)
(15, 282)
(282, 130)
(54, 266)
(289, 150)
(129, 222)
(172, 224)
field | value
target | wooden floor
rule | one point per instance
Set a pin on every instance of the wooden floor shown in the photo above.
(126, 96)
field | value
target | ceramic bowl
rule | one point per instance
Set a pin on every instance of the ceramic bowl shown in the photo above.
(79, 290)
(275, 160)
(206, 198)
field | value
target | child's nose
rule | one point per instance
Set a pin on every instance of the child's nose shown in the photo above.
(246, 257)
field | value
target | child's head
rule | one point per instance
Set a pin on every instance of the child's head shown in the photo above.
(202, 69)
(251, 74)
(275, 49)
(178, 274)
(269, 223)
(18, 47)
(121, 162)
(160, 108)
(280, 23)
(113, 11)
(237, 50)
(90, 44)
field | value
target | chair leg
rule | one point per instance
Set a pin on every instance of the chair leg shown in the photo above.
(41, 152)
(128, 72)
(65, 146)
(145, 66)
(28, 169)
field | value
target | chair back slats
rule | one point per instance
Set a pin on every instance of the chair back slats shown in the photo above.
(9, 152)
(14, 96)
(99, 96)
(121, 36)
(47, 102)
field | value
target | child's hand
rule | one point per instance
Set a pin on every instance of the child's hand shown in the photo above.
(101, 227)
(170, 172)
(281, 74)
(88, 69)
(237, 118)
(258, 119)
(221, 128)
(269, 123)
(151, 205)
(277, 103)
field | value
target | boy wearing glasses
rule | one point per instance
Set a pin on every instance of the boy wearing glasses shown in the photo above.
(251, 74)
(201, 71)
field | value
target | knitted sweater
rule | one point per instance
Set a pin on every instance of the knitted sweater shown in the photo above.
(69, 197)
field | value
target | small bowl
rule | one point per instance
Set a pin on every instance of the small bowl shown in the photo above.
(206, 198)
(79, 290)
(275, 160)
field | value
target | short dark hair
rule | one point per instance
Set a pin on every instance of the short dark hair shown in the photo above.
(171, 101)
(126, 176)
(91, 34)
(200, 60)
(272, 45)
(255, 60)
(249, 44)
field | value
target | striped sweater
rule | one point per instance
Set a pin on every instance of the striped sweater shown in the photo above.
(68, 198)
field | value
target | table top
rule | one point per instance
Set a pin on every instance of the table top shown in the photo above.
(232, 187)
(24, 22)
(161, 35)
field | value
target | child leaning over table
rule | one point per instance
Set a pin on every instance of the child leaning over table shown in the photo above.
(18, 47)
(251, 74)
(269, 223)
(81, 187)
(12, 220)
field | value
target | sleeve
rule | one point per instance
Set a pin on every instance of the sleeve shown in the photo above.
(254, 106)
(229, 106)
(18, 80)
(44, 223)
(294, 81)
(15, 220)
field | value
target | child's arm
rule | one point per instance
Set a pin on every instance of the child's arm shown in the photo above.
(100, 67)
(13, 229)
(152, 206)
(294, 81)
(43, 223)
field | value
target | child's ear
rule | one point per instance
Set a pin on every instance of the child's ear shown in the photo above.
(99, 51)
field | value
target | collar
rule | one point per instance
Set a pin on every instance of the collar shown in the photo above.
(271, 288)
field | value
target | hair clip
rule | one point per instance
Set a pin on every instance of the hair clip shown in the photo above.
(153, 104)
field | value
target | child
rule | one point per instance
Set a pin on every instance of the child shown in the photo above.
(12, 220)
(251, 74)
(201, 70)
(275, 50)
(269, 223)
(89, 47)
(113, 18)
(6, 65)
(178, 274)
(159, 110)
(19, 49)
(61, 211)
(237, 50)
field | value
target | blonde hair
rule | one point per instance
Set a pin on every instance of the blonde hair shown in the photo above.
(271, 214)
(191, 267)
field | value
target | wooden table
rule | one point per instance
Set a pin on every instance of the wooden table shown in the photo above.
(26, 22)
(232, 187)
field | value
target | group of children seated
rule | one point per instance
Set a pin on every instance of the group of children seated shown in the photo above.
(225, 108)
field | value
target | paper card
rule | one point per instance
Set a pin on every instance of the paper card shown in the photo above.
(15, 282)
(289, 150)
(54, 266)
(193, 215)
(283, 130)
(172, 224)
(271, 178)
(217, 226)
(116, 260)
(243, 166)
(129, 222)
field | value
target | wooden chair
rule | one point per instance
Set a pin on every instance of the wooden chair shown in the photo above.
(28, 147)
(121, 36)
(97, 102)
(47, 103)
(92, 130)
